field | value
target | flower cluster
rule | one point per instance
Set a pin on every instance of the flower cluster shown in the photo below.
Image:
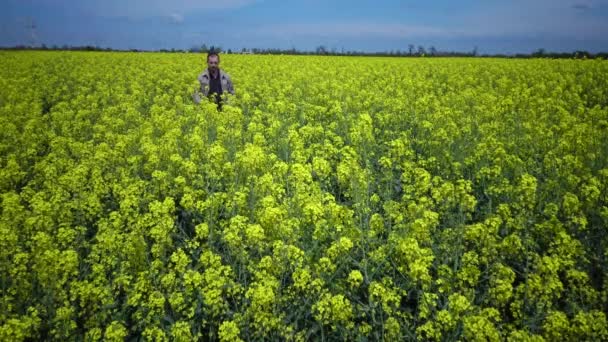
(341, 198)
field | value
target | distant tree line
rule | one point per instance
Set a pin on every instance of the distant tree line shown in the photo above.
(411, 51)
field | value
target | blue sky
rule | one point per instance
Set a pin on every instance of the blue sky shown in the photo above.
(493, 26)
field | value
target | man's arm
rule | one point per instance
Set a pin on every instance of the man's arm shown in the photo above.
(204, 81)
(230, 86)
(196, 97)
(202, 90)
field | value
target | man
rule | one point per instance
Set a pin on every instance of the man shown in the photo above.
(214, 81)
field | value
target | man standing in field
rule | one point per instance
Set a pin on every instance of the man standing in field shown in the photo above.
(214, 81)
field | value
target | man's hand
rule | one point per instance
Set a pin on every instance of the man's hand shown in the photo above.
(196, 97)
(230, 86)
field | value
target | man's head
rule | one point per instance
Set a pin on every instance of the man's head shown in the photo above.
(213, 61)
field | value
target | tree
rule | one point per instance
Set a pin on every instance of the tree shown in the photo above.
(411, 49)
(539, 53)
(421, 50)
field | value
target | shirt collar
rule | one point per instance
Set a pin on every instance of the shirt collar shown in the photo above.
(219, 73)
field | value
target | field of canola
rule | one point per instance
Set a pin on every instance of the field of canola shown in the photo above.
(334, 198)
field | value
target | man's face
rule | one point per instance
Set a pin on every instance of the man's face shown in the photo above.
(213, 63)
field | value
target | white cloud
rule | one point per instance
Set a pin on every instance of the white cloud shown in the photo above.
(532, 22)
(176, 18)
(137, 9)
(352, 29)
(536, 18)
(587, 4)
(568, 19)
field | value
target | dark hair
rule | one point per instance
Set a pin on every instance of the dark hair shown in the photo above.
(213, 53)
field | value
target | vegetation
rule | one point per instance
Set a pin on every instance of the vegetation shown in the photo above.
(322, 50)
(332, 198)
